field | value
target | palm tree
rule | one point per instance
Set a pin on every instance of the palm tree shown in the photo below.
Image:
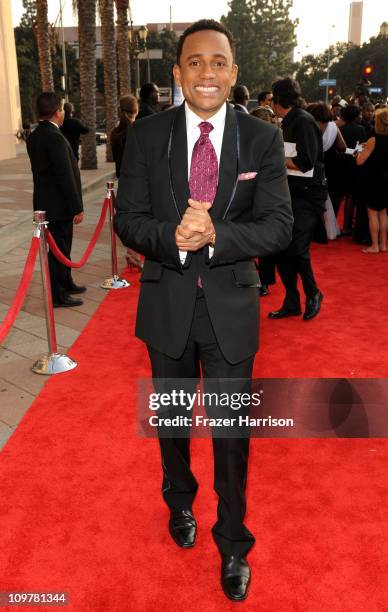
(87, 68)
(44, 47)
(110, 68)
(122, 7)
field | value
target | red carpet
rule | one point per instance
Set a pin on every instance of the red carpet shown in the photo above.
(80, 504)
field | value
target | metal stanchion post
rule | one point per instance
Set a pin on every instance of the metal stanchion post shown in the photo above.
(53, 362)
(115, 282)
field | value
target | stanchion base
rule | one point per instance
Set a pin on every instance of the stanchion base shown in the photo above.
(53, 363)
(115, 283)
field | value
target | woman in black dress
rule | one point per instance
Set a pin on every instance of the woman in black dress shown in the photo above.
(375, 182)
(128, 112)
(353, 133)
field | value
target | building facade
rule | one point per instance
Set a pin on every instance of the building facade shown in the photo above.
(355, 22)
(71, 36)
(11, 118)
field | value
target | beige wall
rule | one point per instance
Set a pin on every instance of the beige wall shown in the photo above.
(10, 111)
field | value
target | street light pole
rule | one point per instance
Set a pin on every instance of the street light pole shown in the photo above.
(64, 63)
(328, 65)
(137, 44)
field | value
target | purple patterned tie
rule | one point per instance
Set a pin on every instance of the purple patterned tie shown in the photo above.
(204, 169)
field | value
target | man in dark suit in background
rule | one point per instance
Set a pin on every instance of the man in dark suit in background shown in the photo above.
(149, 99)
(241, 98)
(307, 182)
(72, 128)
(202, 191)
(57, 190)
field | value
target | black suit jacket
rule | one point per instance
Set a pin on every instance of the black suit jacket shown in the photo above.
(255, 220)
(145, 110)
(72, 128)
(57, 181)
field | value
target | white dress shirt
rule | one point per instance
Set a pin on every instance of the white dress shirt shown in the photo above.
(52, 123)
(193, 133)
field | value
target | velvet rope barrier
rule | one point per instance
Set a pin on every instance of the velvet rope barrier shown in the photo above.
(18, 300)
(73, 264)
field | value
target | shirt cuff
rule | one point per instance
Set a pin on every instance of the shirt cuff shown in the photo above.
(182, 256)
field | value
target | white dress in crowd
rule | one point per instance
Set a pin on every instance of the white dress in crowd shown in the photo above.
(332, 228)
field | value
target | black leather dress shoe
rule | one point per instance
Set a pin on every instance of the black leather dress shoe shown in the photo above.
(67, 302)
(313, 306)
(183, 528)
(264, 290)
(76, 289)
(282, 313)
(235, 577)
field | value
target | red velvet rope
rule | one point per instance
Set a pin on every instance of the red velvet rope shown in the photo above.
(73, 264)
(18, 300)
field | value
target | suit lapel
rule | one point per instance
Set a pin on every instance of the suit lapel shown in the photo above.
(228, 165)
(179, 168)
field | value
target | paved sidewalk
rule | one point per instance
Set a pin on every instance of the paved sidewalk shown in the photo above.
(28, 340)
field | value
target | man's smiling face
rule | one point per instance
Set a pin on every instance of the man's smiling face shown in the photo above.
(206, 71)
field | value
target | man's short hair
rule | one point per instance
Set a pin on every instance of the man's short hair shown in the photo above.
(199, 26)
(286, 92)
(48, 103)
(350, 113)
(263, 96)
(240, 94)
(68, 108)
(146, 90)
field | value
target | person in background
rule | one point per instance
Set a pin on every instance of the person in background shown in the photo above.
(333, 143)
(337, 105)
(57, 190)
(72, 128)
(265, 113)
(241, 98)
(306, 179)
(264, 100)
(128, 111)
(368, 119)
(336, 111)
(375, 182)
(353, 132)
(149, 99)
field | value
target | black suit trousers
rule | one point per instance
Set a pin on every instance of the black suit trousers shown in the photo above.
(60, 275)
(295, 260)
(179, 485)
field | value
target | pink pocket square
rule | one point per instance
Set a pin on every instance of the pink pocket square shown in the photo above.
(246, 176)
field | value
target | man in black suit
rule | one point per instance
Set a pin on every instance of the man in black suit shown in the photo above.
(200, 219)
(72, 128)
(149, 99)
(57, 190)
(241, 98)
(307, 182)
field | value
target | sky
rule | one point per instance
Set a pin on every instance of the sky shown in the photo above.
(314, 33)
